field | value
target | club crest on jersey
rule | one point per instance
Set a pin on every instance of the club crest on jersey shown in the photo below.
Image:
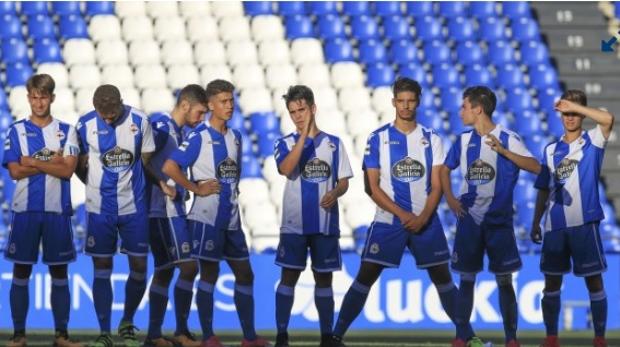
(209, 245)
(281, 251)
(564, 169)
(316, 170)
(455, 257)
(374, 248)
(134, 128)
(117, 159)
(424, 142)
(90, 242)
(332, 146)
(228, 171)
(12, 248)
(408, 170)
(480, 172)
(60, 135)
(44, 154)
(185, 247)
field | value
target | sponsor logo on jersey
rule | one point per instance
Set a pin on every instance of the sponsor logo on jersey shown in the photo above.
(480, 172)
(44, 154)
(117, 159)
(564, 169)
(228, 171)
(408, 170)
(316, 170)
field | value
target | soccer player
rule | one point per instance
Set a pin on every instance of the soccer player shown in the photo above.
(40, 153)
(212, 151)
(169, 238)
(116, 140)
(568, 198)
(401, 175)
(490, 158)
(317, 170)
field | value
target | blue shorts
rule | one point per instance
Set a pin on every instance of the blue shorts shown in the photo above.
(385, 245)
(473, 240)
(31, 229)
(213, 244)
(102, 231)
(324, 252)
(581, 243)
(170, 241)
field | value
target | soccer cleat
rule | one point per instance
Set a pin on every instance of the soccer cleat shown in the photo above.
(282, 340)
(127, 331)
(61, 339)
(475, 342)
(550, 341)
(17, 340)
(513, 343)
(160, 342)
(326, 340)
(599, 341)
(212, 341)
(186, 339)
(257, 342)
(458, 343)
(103, 340)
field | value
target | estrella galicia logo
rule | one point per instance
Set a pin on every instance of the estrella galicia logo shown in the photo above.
(564, 170)
(408, 170)
(117, 159)
(44, 154)
(228, 171)
(480, 172)
(316, 170)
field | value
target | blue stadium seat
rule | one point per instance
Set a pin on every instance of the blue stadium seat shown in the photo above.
(4, 103)
(63, 8)
(534, 53)
(40, 26)
(237, 121)
(456, 123)
(479, 75)
(430, 119)
(47, 51)
(298, 27)
(516, 9)
(451, 99)
(451, 9)
(414, 71)
(251, 166)
(525, 213)
(321, 8)
(543, 77)
(554, 124)
(445, 76)
(338, 50)
(264, 122)
(428, 29)
(527, 123)
(10, 27)
(469, 53)
(491, 29)
(72, 27)
(356, 8)
(418, 9)
(482, 9)
(7, 7)
(428, 101)
(372, 51)
(364, 28)
(379, 75)
(518, 100)
(547, 98)
(617, 11)
(331, 26)
(17, 74)
(5, 121)
(403, 52)
(291, 8)
(387, 8)
(509, 76)
(525, 29)
(501, 53)
(257, 8)
(31, 8)
(94, 8)
(536, 144)
(265, 144)
(501, 118)
(437, 52)
(396, 28)
(14, 51)
(461, 29)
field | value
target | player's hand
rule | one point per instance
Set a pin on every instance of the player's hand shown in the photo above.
(329, 199)
(27, 161)
(565, 106)
(536, 234)
(208, 187)
(416, 224)
(57, 158)
(495, 144)
(169, 190)
(456, 207)
(306, 129)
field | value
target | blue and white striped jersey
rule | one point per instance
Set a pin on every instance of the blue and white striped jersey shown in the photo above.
(323, 162)
(405, 162)
(115, 182)
(41, 192)
(488, 178)
(571, 172)
(168, 136)
(210, 154)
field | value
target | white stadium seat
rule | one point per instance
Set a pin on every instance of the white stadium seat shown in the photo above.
(176, 52)
(157, 9)
(131, 97)
(157, 100)
(248, 76)
(83, 76)
(104, 27)
(255, 100)
(212, 72)
(137, 28)
(118, 75)
(382, 99)
(18, 101)
(221, 9)
(267, 28)
(354, 99)
(234, 29)
(169, 28)
(326, 99)
(209, 52)
(150, 76)
(258, 215)
(63, 102)
(276, 190)
(84, 99)
(307, 51)
(281, 76)
(241, 52)
(331, 121)
(362, 122)
(144, 52)
(271, 230)
(361, 214)
(274, 52)
(202, 28)
(259, 192)
(181, 75)
(78, 51)
(314, 75)
(69, 117)
(78, 191)
(58, 71)
(270, 171)
(130, 8)
(191, 9)
(286, 124)
(261, 244)
(111, 52)
(347, 74)
(278, 103)
(359, 144)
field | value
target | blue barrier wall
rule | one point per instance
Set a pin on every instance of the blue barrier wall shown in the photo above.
(403, 298)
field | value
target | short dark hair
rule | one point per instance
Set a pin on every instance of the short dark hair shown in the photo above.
(481, 96)
(192, 93)
(42, 83)
(575, 95)
(218, 86)
(406, 84)
(107, 99)
(297, 93)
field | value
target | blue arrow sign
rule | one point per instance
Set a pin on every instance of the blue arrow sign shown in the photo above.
(608, 46)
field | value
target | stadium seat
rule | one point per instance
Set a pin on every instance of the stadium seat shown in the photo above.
(176, 52)
(72, 27)
(257, 8)
(64, 103)
(18, 101)
(7, 7)
(180, 75)
(536, 144)
(111, 52)
(63, 8)
(264, 122)
(248, 76)
(84, 76)
(241, 52)
(450, 9)
(156, 9)
(478, 75)
(548, 97)
(509, 76)
(516, 9)
(14, 51)
(40, 27)
(31, 8)
(291, 8)
(10, 27)
(265, 145)
(234, 29)
(554, 124)
(314, 75)
(17, 73)
(154, 100)
(321, 8)
(327, 98)
(469, 53)
(298, 27)
(387, 8)
(118, 75)
(437, 52)
(251, 168)
(4, 103)
(534, 53)
(456, 123)
(491, 29)
(482, 9)
(356, 8)
(518, 100)
(267, 28)
(415, 72)
(356, 99)
(396, 28)
(104, 27)
(524, 190)
(209, 52)
(150, 76)
(428, 29)
(255, 100)
(445, 76)
(94, 8)
(144, 52)
(307, 51)
(525, 29)
(171, 28)
(451, 99)
(227, 9)
(46, 51)
(331, 27)
(382, 99)
(543, 77)
(58, 71)
(281, 76)
(403, 52)
(527, 122)
(214, 71)
(379, 75)
(372, 51)
(130, 8)
(461, 29)
(419, 9)
(500, 53)
(274, 51)
(338, 50)
(360, 123)
(202, 28)
(137, 28)
(347, 74)
(364, 28)
(191, 9)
